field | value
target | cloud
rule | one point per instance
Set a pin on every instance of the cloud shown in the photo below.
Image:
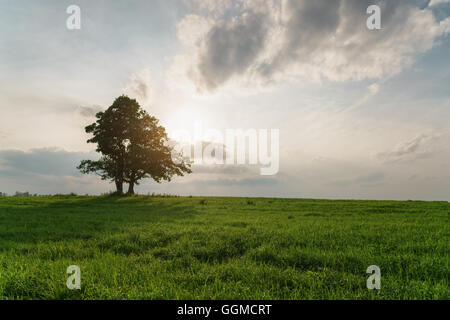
(445, 25)
(374, 88)
(46, 161)
(245, 182)
(231, 48)
(89, 111)
(53, 170)
(436, 2)
(265, 42)
(213, 7)
(224, 169)
(415, 149)
(369, 180)
(375, 177)
(47, 171)
(139, 86)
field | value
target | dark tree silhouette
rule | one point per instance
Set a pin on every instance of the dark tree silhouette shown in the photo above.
(133, 146)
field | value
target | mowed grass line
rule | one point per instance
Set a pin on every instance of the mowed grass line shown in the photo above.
(222, 248)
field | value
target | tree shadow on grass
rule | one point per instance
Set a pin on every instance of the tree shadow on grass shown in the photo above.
(34, 220)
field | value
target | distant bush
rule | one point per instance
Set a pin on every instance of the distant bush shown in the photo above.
(163, 195)
(203, 202)
(72, 194)
(21, 194)
(3, 194)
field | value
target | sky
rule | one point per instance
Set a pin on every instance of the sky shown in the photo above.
(362, 114)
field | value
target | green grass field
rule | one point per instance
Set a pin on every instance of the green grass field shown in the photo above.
(222, 248)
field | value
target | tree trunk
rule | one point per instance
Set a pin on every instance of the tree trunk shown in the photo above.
(119, 174)
(119, 187)
(131, 188)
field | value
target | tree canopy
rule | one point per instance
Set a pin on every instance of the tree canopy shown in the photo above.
(133, 146)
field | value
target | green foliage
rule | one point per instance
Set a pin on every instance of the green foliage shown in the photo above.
(105, 167)
(146, 247)
(133, 146)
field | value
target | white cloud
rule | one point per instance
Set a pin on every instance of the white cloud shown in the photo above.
(418, 148)
(445, 26)
(88, 111)
(139, 86)
(435, 2)
(374, 88)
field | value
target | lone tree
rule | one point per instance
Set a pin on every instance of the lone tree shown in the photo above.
(133, 147)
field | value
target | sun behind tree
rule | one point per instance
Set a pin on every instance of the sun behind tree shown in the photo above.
(133, 146)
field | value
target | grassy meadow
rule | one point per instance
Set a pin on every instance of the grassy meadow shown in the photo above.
(145, 247)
